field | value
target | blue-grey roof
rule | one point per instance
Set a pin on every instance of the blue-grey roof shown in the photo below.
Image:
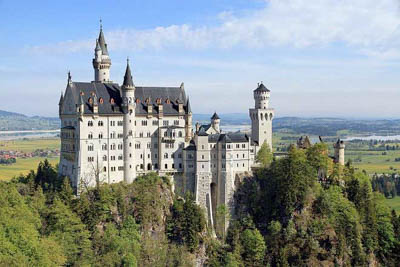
(145, 95)
(128, 76)
(204, 127)
(102, 43)
(236, 137)
(215, 116)
(261, 88)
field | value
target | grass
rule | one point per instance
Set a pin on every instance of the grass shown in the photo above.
(393, 203)
(23, 166)
(29, 145)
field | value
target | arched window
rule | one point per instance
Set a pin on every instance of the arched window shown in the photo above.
(104, 158)
(165, 155)
(180, 134)
(262, 116)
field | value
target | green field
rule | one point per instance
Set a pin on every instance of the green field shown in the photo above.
(393, 203)
(29, 145)
(23, 166)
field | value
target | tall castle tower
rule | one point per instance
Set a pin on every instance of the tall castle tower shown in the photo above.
(101, 60)
(339, 151)
(128, 106)
(261, 116)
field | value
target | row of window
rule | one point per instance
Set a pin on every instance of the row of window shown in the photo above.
(143, 123)
(149, 167)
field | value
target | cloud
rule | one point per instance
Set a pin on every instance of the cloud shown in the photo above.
(369, 25)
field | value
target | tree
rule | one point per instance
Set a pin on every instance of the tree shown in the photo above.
(64, 226)
(264, 155)
(222, 216)
(253, 247)
(186, 222)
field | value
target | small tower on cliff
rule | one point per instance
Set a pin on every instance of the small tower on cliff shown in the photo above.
(215, 122)
(128, 107)
(339, 151)
(261, 116)
(101, 61)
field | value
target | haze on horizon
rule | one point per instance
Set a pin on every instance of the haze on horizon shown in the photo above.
(318, 57)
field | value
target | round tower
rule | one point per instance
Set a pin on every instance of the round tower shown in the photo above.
(261, 96)
(215, 121)
(339, 151)
(128, 106)
(261, 117)
(101, 61)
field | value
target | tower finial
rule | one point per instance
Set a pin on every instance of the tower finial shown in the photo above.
(101, 25)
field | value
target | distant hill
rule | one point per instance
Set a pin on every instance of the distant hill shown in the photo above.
(12, 121)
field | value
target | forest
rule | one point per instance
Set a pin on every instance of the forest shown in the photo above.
(301, 210)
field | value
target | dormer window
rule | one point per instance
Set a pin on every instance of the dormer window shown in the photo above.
(90, 100)
(137, 100)
(101, 100)
(82, 93)
(112, 101)
(148, 100)
(158, 101)
(168, 101)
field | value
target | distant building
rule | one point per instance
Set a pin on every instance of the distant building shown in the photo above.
(112, 133)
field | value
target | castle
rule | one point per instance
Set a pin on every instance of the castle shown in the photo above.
(112, 133)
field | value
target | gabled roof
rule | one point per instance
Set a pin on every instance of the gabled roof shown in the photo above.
(235, 137)
(204, 127)
(261, 88)
(188, 108)
(108, 91)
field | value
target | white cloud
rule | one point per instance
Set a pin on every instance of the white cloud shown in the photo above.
(369, 25)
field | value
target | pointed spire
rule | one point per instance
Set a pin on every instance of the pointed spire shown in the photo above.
(95, 101)
(69, 78)
(188, 108)
(97, 45)
(128, 82)
(61, 99)
(215, 116)
(81, 102)
(102, 41)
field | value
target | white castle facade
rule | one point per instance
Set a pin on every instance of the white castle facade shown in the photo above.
(112, 133)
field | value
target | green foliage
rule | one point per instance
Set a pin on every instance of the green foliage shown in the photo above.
(264, 155)
(44, 224)
(186, 222)
(285, 185)
(20, 241)
(253, 247)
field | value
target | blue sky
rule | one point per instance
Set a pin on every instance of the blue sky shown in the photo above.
(318, 57)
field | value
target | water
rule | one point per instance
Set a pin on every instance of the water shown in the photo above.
(373, 137)
(14, 135)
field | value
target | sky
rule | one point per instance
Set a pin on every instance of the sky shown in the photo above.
(337, 58)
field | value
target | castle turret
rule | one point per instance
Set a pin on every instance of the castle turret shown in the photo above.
(215, 121)
(261, 116)
(128, 106)
(188, 124)
(101, 60)
(339, 151)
